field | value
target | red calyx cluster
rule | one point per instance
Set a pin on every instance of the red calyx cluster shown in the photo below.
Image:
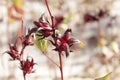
(27, 66)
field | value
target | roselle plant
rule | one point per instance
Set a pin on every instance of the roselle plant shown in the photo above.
(61, 43)
(43, 30)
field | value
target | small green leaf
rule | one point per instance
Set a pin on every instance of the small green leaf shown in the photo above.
(41, 43)
(106, 77)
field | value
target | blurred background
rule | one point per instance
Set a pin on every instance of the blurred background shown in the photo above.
(94, 22)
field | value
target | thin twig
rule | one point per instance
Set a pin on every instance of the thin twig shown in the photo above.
(51, 59)
(22, 51)
(61, 66)
(24, 76)
(46, 1)
(54, 37)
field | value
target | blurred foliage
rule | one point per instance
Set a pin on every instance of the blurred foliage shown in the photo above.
(18, 3)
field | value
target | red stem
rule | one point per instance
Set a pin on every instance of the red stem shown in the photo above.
(22, 51)
(46, 1)
(22, 34)
(61, 66)
(60, 55)
(24, 76)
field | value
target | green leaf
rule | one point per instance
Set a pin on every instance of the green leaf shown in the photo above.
(106, 77)
(41, 43)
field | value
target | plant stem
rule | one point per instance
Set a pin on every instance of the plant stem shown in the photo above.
(61, 66)
(60, 55)
(24, 76)
(22, 51)
(46, 2)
